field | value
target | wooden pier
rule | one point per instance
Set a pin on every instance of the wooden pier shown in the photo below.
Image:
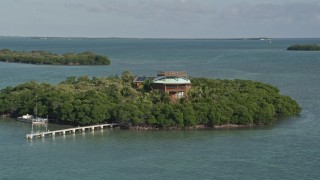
(69, 130)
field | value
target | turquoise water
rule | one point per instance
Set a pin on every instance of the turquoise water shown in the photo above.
(286, 150)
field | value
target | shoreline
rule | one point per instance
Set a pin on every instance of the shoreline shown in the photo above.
(38, 64)
(152, 128)
(197, 127)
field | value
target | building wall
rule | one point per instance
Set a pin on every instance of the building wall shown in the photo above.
(175, 91)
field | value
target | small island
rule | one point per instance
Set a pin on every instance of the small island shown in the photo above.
(307, 47)
(43, 57)
(139, 102)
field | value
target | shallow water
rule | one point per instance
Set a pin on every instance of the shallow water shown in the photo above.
(288, 149)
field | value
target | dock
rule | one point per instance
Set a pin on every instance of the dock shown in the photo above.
(69, 131)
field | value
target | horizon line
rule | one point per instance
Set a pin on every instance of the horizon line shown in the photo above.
(191, 38)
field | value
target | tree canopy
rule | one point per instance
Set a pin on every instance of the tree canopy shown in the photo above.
(210, 102)
(43, 57)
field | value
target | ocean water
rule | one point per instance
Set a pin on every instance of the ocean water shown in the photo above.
(288, 149)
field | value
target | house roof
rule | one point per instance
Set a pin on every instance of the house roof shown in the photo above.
(171, 80)
(182, 74)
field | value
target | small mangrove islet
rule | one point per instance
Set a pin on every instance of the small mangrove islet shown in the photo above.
(114, 99)
(307, 47)
(48, 58)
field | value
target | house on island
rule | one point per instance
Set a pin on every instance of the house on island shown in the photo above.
(176, 84)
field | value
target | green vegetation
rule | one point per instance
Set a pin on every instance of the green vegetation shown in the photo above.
(211, 102)
(42, 57)
(308, 47)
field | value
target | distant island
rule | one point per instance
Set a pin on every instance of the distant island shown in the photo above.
(209, 103)
(307, 47)
(43, 57)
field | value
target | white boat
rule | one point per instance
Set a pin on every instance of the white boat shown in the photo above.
(26, 118)
(40, 120)
(31, 119)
